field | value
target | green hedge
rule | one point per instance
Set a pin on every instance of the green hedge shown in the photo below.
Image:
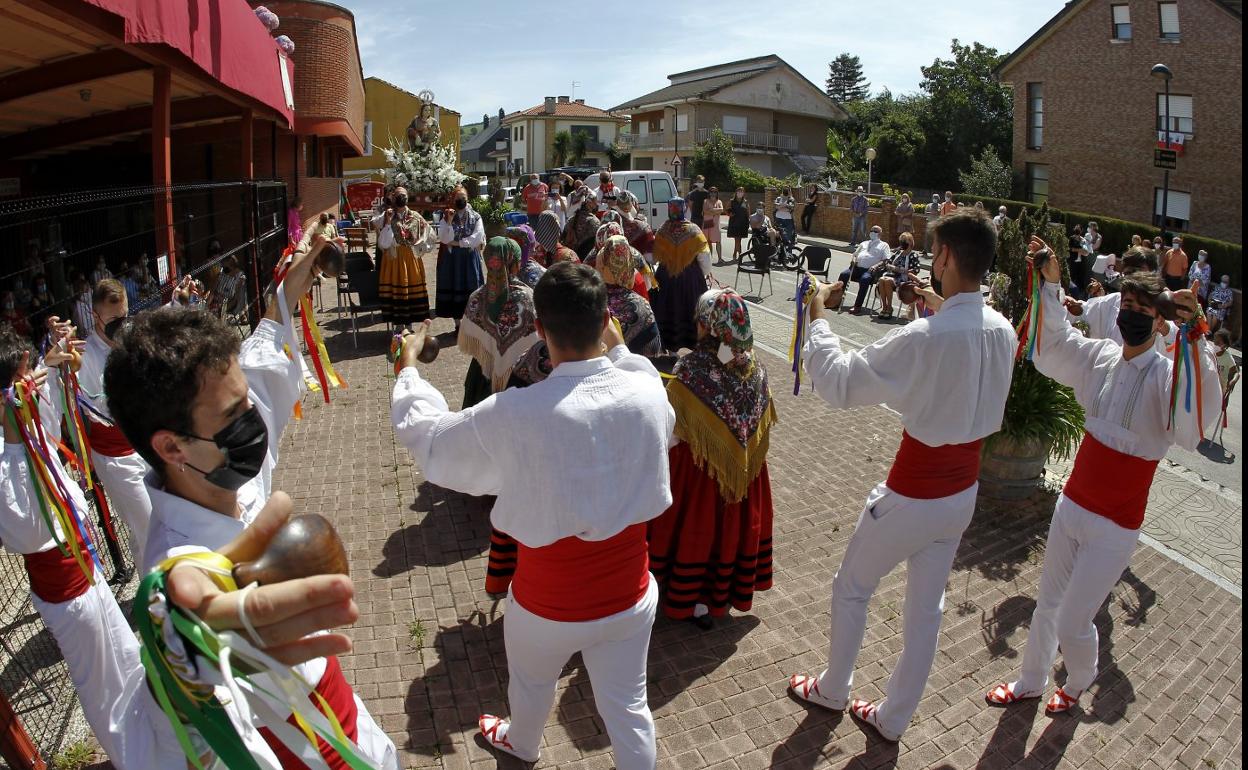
(1225, 258)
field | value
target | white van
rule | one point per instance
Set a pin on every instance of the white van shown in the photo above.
(652, 188)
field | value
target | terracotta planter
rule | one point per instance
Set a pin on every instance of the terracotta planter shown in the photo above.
(1012, 469)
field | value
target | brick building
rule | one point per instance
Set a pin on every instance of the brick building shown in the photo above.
(1088, 114)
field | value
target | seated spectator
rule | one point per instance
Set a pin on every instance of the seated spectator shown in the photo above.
(870, 253)
(223, 299)
(129, 282)
(761, 227)
(1220, 300)
(13, 315)
(901, 267)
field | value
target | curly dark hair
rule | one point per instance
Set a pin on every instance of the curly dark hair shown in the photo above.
(12, 346)
(153, 375)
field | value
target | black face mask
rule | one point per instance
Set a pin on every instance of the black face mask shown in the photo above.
(114, 327)
(400, 201)
(245, 443)
(461, 204)
(1136, 327)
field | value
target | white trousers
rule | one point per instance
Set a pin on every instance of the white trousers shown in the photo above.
(102, 654)
(614, 649)
(123, 481)
(1083, 559)
(893, 529)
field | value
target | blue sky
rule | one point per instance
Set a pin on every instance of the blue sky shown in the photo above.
(478, 56)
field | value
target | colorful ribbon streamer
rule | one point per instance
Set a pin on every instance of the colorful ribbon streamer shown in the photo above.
(806, 291)
(1187, 368)
(325, 372)
(71, 400)
(178, 649)
(1029, 328)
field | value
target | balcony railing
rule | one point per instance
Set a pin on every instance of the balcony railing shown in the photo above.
(755, 140)
(642, 141)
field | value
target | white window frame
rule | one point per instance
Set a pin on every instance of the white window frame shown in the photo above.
(736, 120)
(1116, 22)
(682, 122)
(1032, 178)
(1182, 109)
(1178, 207)
(1174, 34)
(1035, 117)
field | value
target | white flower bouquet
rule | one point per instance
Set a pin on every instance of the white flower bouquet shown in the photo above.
(427, 172)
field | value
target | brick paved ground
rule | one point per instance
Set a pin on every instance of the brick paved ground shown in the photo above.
(429, 655)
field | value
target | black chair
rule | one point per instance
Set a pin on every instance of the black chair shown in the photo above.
(818, 261)
(363, 283)
(756, 261)
(355, 261)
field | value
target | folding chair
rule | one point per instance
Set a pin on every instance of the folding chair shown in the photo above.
(363, 283)
(756, 261)
(355, 261)
(818, 261)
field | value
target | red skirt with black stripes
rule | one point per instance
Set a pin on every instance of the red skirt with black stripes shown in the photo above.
(704, 550)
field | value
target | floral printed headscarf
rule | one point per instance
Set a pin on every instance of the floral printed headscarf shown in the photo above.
(605, 231)
(617, 262)
(502, 261)
(676, 209)
(626, 202)
(524, 236)
(723, 313)
(611, 215)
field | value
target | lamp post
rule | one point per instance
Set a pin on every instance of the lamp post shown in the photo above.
(1163, 72)
(870, 159)
(675, 138)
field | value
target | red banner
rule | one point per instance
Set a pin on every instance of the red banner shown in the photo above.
(361, 195)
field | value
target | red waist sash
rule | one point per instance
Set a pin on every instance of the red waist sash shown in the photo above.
(1110, 483)
(56, 577)
(930, 472)
(109, 441)
(337, 693)
(574, 580)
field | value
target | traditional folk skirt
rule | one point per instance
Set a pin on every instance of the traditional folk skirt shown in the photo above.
(401, 287)
(674, 301)
(459, 275)
(704, 550)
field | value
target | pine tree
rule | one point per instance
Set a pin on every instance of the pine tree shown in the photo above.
(846, 82)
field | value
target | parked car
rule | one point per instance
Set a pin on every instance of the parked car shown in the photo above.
(652, 188)
(576, 172)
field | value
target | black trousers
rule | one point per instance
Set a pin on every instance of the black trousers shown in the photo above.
(808, 213)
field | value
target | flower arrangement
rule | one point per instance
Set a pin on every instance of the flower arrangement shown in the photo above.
(429, 170)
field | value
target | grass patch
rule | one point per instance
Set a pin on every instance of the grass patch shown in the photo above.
(75, 756)
(416, 634)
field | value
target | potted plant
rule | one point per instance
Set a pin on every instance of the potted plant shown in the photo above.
(1042, 418)
(492, 216)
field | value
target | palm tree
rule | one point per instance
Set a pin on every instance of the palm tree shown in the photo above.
(580, 147)
(561, 146)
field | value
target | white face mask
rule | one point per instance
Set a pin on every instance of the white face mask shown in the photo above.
(1201, 259)
(1226, 284)
(875, 237)
(698, 185)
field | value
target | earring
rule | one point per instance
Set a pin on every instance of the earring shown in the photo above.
(182, 468)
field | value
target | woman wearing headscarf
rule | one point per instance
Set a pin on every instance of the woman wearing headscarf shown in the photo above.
(403, 237)
(636, 229)
(579, 233)
(498, 324)
(459, 269)
(549, 250)
(712, 547)
(530, 271)
(643, 275)
(608, 228)
(684, 269)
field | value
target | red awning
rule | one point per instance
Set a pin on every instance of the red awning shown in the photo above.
(221, 37)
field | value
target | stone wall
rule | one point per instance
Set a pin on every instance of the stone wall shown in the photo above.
(833, 218)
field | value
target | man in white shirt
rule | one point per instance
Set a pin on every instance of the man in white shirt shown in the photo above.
(863, 267)
(948, 375)
(208, 417)
(579, 464)
(1125, 391)
(999, 220)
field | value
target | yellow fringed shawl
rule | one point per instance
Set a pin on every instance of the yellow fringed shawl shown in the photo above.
(676, 247)
(714, 447)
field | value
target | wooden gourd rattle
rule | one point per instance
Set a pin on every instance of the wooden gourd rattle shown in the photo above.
(304, 546)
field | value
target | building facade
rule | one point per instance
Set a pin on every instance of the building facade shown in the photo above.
(531, 133)
(388, 111)
(777, 119)
(1088, 114)
(486, 151)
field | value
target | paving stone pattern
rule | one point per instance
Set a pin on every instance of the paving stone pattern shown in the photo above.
(429, 653)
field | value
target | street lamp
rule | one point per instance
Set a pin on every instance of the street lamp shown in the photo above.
(1163, 72)
(675, 136)
(870, 158)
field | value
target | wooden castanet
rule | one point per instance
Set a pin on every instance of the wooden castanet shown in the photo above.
(306, 545)
(906, 293)
(429, 351)
(836, 296)
(330, 260)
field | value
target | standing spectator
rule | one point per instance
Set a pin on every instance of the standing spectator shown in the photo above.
(979, 205)
(21, 290)
(784, 214)
(606, 192)
(712, 209)
(697, 198)
(999, 220)
(862, 268)
(808, 213)
(1174, 266)
(1158, 245)
(905, 214)
(1093, 239)
(1228, 372)
(738, 221)
(1201, 272)
(858, 210)
(534, 194)
(1136, 240)
(932, 210)
(1078, 265)
(82, 312)
(100, 272)
(556, 202)
(230, 288)
(949, 206)
(294, 224)
(42, 303)
(1220, 300)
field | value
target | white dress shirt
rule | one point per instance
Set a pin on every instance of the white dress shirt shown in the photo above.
(871, 253)
(1126, 403)
(1101, 316)
(22, 528)
(446, 234)
(584, 452)
(948, 374)
(91, 373)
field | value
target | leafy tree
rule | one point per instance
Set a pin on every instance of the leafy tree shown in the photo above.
(714, 160)
(618, 158)
(580, 147)
(967, 110)
(988, 176)
(561, 147)
(846, 83)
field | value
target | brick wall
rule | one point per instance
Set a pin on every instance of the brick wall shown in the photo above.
(833, 218)
(1100, 107)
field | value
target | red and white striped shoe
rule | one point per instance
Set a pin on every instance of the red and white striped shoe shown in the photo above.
(866, 711)
(1061, 702)
(1005, 695)
(494, 730)
(807, 688)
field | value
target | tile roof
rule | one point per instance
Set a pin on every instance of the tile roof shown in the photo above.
(566, 110)
(691, 88)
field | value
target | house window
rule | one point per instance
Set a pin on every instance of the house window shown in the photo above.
(312, 156)
(592, 131)
(1169, 13)
(1180, 114)
(641, 164)
(522, 133)
(735, 125)
(1178, 209)
(1035, 115)
(1122, 21)
(1037, 182)
(682, 122)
